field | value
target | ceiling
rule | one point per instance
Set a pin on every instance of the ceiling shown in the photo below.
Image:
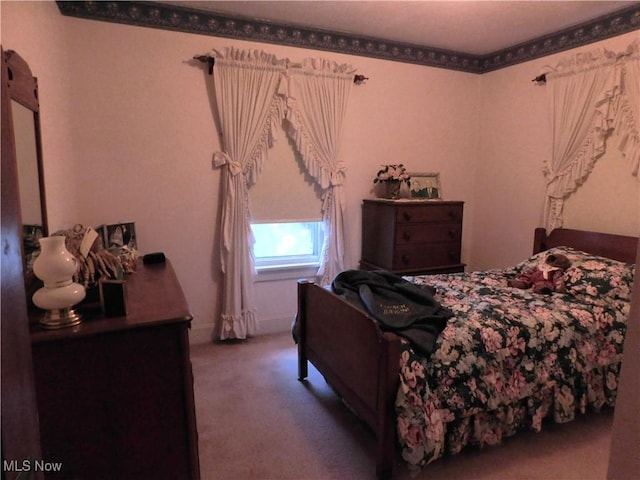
(476, 27)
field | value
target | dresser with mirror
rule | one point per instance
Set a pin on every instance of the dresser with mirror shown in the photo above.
(111, 397)
(21, 195)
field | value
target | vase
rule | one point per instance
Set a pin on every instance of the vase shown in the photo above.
(392, 189)
(55, 266)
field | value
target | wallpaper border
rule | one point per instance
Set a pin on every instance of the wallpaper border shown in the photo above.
(189, 20)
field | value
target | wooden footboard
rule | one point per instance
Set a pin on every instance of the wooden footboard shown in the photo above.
(359, 362)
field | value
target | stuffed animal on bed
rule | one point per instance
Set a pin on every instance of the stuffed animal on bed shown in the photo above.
(546, 278)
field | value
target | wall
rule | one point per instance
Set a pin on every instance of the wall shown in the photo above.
(128, 135)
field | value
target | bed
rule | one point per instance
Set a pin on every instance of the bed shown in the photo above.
(505, 361)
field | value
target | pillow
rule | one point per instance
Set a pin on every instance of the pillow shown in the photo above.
(600, 276)
(589, 275)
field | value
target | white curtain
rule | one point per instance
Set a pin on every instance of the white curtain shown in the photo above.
(581, 92)
(249, 108)
(628, 114)
(318, 93)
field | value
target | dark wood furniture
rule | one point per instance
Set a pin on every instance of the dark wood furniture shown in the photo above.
(23, 122)
(361, 363)
(618, 247)
(115, 395)
(20, 433)
(412, 236)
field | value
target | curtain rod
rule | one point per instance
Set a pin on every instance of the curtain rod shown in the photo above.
(209, 60)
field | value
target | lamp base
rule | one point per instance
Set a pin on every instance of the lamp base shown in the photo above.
(60, 318)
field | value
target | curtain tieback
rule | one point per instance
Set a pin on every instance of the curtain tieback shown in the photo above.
(221, 158)
(337, 178)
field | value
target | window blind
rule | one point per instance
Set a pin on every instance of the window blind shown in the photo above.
(284, 192)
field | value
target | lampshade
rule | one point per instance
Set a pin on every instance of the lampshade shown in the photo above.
(55, 266)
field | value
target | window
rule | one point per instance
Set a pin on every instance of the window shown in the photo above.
(287, 244)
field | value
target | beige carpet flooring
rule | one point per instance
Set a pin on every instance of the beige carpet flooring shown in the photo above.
(256, 421)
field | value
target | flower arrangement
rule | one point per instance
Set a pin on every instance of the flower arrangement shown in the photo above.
(393, 172)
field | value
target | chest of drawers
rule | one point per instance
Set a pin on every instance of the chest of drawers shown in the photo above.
(412, 237)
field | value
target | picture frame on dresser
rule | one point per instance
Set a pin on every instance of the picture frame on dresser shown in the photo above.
(118, 235)
(425, 186)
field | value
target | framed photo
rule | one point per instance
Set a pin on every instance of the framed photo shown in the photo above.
(118, 235)
(425, 186)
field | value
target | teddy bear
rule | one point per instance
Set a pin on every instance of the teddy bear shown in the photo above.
(547, 277)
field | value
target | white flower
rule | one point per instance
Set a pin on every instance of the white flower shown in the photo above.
(392, 172)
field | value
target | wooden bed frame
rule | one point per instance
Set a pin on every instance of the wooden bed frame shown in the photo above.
(361, 363)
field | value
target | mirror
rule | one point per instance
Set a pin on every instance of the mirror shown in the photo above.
(23, 125)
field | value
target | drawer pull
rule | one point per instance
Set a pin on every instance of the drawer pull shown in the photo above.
(452, 233)
(453, 214)
(406, 259)
(453, 255)
(406, 236)
(406, 216)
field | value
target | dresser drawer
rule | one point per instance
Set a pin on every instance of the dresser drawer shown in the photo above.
(433, 213)
(409, 234)
(409, 257)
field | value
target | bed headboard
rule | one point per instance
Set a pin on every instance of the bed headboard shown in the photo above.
(617, 247)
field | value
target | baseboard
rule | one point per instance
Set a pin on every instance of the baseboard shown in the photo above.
(204, 333)
(267, 326)
(201, 333)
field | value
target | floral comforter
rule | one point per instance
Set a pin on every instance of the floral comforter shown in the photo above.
(510, 357)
